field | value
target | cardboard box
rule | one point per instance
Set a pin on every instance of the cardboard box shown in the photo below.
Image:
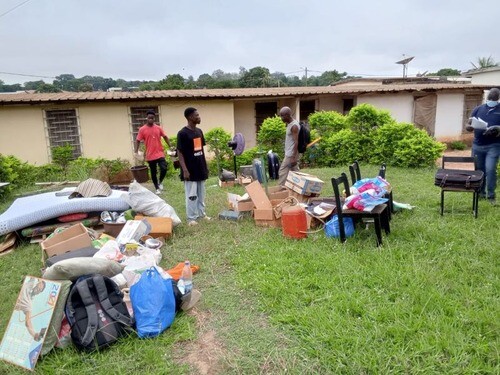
(133, 231)
(160, 226)
(303, 183)
(243, 180)
(277, 192)
(226, 184)
(301, 198)
(235, 203)
(263, 213)
(73, 238)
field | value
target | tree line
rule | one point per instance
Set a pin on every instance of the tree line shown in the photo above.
(255, 77)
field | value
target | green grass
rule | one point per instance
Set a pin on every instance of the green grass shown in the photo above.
(425, 302)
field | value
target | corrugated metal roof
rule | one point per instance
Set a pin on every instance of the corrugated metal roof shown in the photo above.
(29, 98)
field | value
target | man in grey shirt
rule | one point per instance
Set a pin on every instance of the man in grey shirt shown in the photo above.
(291, 161)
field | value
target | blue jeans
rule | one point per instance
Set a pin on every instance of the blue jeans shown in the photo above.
(195, 199)
(487, 160)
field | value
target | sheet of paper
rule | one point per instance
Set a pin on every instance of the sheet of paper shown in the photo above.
(477, 123)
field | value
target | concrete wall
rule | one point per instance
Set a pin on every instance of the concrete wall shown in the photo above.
(449, 115)
(330, 103)
(487, 78)
(105, 128)
(244, 121)
(22, 134)
(399, 105)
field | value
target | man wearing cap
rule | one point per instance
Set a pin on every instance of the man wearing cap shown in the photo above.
(151, 134)
(194, 171)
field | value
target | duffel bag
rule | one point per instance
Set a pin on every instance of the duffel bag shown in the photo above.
(455, 178)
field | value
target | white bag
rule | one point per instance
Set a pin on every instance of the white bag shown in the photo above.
(150, 204)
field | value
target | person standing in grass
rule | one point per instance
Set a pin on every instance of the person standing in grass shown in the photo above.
(194, 170)
(486, 144)
(151, 134)
(291, 160)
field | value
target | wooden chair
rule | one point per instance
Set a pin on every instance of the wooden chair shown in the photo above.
(380, 214)
(355, 173)
(474, 190)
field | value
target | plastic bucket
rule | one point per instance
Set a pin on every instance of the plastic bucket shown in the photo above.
(140, 173)
(294, 222)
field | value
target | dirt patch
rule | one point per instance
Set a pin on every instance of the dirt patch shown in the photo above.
(203, 355)
(465, 166)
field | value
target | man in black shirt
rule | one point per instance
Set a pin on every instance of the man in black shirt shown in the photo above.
(194, 171)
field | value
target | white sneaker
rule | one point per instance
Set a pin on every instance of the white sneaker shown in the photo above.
(207, 218)
(160, 187)
(192, 223)
(158, 191)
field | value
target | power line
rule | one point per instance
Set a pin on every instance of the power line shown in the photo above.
(11, 9)
(26, 75)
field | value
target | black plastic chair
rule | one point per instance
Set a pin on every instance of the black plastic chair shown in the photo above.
(380, 214)
(355, 173)
(475, 191)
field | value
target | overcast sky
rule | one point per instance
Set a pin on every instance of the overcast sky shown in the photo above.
(148, 39)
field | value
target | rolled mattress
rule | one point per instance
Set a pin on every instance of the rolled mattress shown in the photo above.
(34, 209)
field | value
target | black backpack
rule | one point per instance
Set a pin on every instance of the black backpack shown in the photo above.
(304, 138)
(96, 312)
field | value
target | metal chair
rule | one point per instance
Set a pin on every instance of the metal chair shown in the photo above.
(474, 190)
(380, 214)
(355, 173)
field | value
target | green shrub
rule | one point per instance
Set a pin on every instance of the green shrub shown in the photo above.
(418, 151)
(217, 139)
(62, 155)
(344, 147)
(386, 139)
(458, 145)
(271, 135)
(365, 117)
(327, 122)
(246, 158)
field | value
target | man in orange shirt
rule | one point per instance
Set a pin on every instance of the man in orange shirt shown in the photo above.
(151, 134)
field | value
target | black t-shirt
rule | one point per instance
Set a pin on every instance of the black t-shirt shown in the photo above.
(190, 143)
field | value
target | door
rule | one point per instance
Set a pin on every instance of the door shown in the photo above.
(263, 111)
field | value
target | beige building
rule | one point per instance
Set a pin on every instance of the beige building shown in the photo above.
(104, 124)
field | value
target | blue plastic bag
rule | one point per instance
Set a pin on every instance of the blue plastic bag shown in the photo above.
(153, 302)
(332, 227)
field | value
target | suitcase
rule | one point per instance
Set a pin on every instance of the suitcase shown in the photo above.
(454, 178)
(273, 165)
(258, 170)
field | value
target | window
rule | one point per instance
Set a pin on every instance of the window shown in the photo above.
(62, 129)
(471, 101)
(138, 118)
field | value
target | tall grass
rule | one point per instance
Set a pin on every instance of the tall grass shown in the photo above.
(425, 302)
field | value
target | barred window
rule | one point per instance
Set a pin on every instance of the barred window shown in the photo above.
(62, 129)
(138, 118)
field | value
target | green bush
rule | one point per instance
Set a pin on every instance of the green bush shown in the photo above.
(217, 139)
(246, 158)
(344, 147)
(271, 135)
(386, 140)
(418, 151)
(458, 145)
(326, 122)
(365, 117)
(62, 155)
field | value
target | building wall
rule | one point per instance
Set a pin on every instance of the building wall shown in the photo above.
(449, 115)
(244, 121)
(330, 103)
(105, 130)
(399, 105)
(487, 78)
(22, 134)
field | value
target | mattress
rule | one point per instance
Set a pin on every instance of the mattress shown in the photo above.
(34, 209)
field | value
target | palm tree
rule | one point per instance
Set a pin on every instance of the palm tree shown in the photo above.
(484, 62)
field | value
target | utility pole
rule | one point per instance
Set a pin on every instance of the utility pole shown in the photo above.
(305, 69)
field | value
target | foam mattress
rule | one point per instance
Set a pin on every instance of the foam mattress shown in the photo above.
(34, 209)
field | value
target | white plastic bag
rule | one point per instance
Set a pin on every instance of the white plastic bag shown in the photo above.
(110, 250)
(150, 204)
